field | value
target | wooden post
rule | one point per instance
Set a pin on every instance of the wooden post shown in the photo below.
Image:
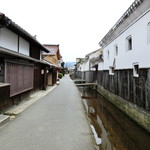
(45, 78)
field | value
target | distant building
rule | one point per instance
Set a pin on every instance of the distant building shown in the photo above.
(87, 68)
(54, 55)
(54, 58)
(78, 64)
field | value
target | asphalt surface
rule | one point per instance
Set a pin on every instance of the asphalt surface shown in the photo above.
(55, 122)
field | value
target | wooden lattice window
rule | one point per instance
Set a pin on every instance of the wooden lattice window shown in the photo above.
(20, 76)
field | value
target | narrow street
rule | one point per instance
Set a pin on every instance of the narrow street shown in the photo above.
(55, 122)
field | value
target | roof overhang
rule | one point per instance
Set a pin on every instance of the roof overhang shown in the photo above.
(131, 10)
(96, 60)
(52, 65)
(4, 52)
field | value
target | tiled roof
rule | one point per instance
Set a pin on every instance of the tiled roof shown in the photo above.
(52, 48)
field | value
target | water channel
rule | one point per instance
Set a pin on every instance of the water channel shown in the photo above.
(115, 131)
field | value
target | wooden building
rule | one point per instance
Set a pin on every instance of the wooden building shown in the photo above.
(54, 59)
(22, 70)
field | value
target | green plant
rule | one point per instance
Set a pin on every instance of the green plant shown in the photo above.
(60, 75)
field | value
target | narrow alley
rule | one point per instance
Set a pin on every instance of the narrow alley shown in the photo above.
(55, 122)
(75, 75)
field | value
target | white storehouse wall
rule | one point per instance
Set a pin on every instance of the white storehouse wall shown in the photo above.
(139, 31)
(86, 65)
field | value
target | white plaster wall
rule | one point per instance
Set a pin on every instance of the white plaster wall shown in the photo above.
(23, 46)
(140, 52)
(8, 39)
(79, 67)
(85, 66)
(101, 66)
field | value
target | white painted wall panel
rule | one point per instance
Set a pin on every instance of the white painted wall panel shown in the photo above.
(85, 66)
(101, 66)
(8, 39)
(23, 46)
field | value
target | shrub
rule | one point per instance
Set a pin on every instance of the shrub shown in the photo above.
(60, 75)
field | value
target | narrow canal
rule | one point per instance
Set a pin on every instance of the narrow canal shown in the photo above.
(115, 131)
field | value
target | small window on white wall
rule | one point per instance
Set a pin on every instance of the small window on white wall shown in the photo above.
(116, 50)
(148, 33)
(108, 54)
(135, 69)
(129, 43)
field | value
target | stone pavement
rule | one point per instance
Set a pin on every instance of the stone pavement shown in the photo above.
(17, 109)
(56, 121)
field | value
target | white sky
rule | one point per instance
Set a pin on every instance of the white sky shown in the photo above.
(77, 25)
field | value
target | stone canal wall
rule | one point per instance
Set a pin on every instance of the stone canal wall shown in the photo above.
(141, 116)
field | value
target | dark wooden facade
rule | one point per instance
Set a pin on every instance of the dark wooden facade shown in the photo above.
(24, 77)
(19, 75)
(34, 52)
(4, 95)
(40, 77)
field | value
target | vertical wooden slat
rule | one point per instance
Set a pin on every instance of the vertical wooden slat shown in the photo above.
(20, 76)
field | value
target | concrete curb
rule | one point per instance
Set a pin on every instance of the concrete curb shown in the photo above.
(6, 116)
(4, 119)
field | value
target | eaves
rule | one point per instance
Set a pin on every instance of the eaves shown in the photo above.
(6, 52)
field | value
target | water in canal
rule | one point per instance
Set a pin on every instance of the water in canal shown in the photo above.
(114, 130)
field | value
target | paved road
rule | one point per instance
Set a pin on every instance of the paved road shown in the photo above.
(55, 122)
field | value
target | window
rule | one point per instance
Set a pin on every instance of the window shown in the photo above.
(20, 76)
(129, 43)
(108, 54)
(136, 70)
(111, 70)
(116, 50)
(148, 33)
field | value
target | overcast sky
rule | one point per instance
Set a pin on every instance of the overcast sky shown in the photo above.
(77, 25)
